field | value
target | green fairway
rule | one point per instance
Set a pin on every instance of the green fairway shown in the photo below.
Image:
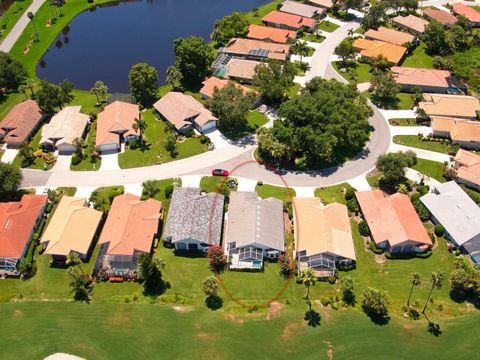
(13, 14)
(279, 192)
(155, 152)
(432, 169)
(414, 141)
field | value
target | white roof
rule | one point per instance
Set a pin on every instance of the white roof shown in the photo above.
(65, 126)
(455, 210)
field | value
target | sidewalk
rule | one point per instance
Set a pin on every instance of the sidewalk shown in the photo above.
(421, 153)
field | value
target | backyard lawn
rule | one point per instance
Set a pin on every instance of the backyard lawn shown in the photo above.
(333, 193)
(414, 141)
(279, 192)
(255, 16)
(327, 26)
(419, 59)
(155, 152)
(432, 169)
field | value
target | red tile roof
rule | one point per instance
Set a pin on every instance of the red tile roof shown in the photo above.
(131, 225)
(421, 77)
(467, 11)
(441, 16)
(119, 116)
(266, 33)
(213, 83)
(17, 220)
(20, 122)
(290, 20)
(392, 218)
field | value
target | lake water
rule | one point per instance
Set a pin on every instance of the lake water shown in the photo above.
(103, 44)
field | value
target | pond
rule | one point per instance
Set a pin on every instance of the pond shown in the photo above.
(103, 43)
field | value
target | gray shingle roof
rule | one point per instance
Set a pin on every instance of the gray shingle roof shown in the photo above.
(255, 221)
(195, 216)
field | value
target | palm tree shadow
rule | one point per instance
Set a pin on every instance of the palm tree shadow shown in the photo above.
(433, 328)
(312, 317)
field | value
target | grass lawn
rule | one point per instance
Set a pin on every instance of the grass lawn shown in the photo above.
(310, 51)
(373, 180)
(279, 192)
(332, 194)
(11, 17)
(313, 38)
(293, 90)
(405, 101)
(419, 59)
(89, 163)
(327, 26)
(414, 141)
(161, 185)
(403, 122)
(213, 183)
(256, 119)
(362, 72)
(69, 191)
(432, 169)
(155, 152)
(39, 163)
(255, 16)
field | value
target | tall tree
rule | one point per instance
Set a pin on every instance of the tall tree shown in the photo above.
(352, 4)
(150, 188)
(274, 80)
(300, 47)
(23, 89)
(384, 89)
(437, 280)
(230, 26)
(345, 50)
(140, 125)
(100, 90)
(231, 107)
(12, 72)
(48, 96)
(10, 179)
(375, 17)
(150, 270)
(82, 284)
(393, 165)
(435, 39)
(65, 94)
(380, 63)
(415, 280)
(375, 302)
(308, 278)
(32, 19)
(193, 57)
(142, 80)
(174, 77)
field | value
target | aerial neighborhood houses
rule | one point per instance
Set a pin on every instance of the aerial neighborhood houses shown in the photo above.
(427, 80)
(269, 34)
(411, 23)
(287, 21)
(323, 236)
(471, 14)
(20, 123)
(370, 49)
(467, 165)
(18, 222)
(441, 16)
(390, 36)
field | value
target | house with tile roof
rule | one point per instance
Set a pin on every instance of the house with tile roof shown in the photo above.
(129, 231)
(324, 4)
(63, 128)
(241, 70)
(323, 236)
(72, 228)
(414, 24)
(115, 126)
(428, 80)
(393, 222)
(470, 13)
(444, 105)
(254, 230)
(212, 83)
(441, 16)
(185, 113)
(18, 222)
(391, 36)
(269, 34)
(301, 9)
(451, 207)
(20, 123)
(256, 50)
(195, 220)
(372, 48)
(467, 165)
(283, 20)
(462, 132)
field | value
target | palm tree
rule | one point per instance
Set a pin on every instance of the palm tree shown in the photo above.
(350, 32)
(300, 48)
(82, 284)
(99, 90)
(79, 144)
(308, 279)
(23, 89)
(150, 188)
(437, 280)
(415, 280)
(26, 151)
(73, 259)
(31, 17)
(30, 85)
(210, 286)
(174, 77)
(140, 125)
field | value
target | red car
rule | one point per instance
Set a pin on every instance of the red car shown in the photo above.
(219, 172)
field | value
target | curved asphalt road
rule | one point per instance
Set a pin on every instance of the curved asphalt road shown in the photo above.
(232, 156)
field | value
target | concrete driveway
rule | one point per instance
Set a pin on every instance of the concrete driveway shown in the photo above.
(109, 162)
(218, 139)
(63, 163)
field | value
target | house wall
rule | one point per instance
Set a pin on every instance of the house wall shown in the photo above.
(467, 144)
(468, 183)
(190, 245)
(437, 133)
(425, 88)
(109, 148)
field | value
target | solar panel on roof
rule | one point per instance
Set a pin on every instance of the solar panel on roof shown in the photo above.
(259, 52)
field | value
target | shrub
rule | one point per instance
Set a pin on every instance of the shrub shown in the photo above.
(363, 228)
(189, 134)
(325, 300)
(204, 139)
(421, 210)
(415, 196)
(353, 206)
(260, 183)
(349, 194)
(76, 159)
(134, 144)
(373, 247)
(49, 207)
(168, 191)
(439, 231)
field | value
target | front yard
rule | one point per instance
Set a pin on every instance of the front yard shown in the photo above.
(432, 169)
(36, 162)
(355, 73)
(88, 163)
(278, 192)
(327, 26)
(154, 151)
(414, 141)
(334, 193)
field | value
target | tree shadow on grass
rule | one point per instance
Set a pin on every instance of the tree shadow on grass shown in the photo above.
(155, 287)
(312, 317)
(213, 302)
(378, 319)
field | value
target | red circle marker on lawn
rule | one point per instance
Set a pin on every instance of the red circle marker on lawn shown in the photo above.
(217, 274)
